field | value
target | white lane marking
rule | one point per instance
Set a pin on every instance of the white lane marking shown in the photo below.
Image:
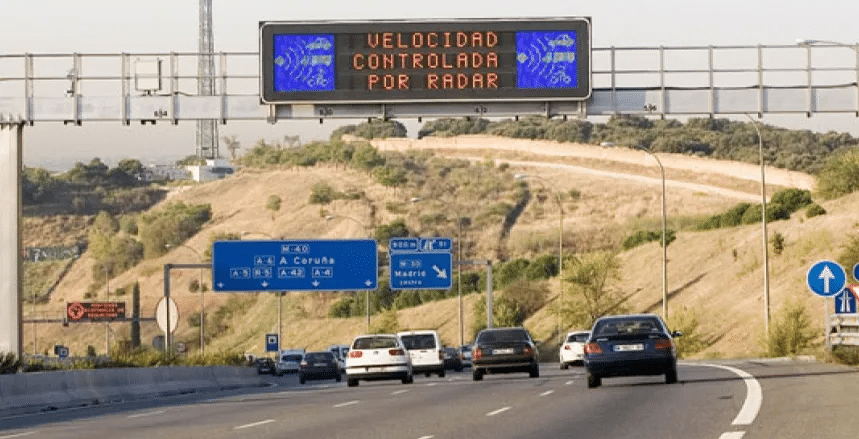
(254, 424)
(399, 392)
(147, 414)
(569, 382)
(732, 435)
(27, 433)
(501, 410)
(344, 404)
(431, 384)
(548, 392)
(754, 394)
(427, 437)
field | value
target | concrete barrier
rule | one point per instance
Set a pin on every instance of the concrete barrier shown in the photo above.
(40, 391)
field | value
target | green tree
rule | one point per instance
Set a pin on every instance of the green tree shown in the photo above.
(590, 279)
(839, 174)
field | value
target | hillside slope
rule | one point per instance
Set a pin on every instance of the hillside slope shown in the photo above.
(716, 273)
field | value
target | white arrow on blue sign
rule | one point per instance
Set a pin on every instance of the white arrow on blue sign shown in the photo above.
(826, 278)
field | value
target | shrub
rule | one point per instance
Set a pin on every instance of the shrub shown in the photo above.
(814, 210)
(642, 236)
(792, 199)
(848, 355)
(839, 175)
(543, 267)
(792, 332)
(9, 363)
(778, 243)
(322, 193)
(686, 321)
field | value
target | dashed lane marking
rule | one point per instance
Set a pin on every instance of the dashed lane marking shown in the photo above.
(254, 424)
(548, 392)
(344, 404)
(501, 410)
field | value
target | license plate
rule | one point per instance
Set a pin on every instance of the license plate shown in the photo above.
(628, 347)
(320, 364)
(502, 351)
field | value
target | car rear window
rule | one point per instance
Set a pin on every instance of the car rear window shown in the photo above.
(626, 326)
(579, 338)
(319, 356)
(419, 341)
(502, 335)
(293, 357)
(375, 343)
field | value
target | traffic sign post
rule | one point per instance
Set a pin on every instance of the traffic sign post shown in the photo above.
(826, 278)
(420, 263)
(316, 265)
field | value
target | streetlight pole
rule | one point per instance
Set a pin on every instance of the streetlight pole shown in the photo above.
(764, 221)
(664, 246)
(560, 250)
(367, 296)
(202, 300)
(107, 323)
(458, 268)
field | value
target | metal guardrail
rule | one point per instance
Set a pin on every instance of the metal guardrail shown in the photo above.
(705, 80)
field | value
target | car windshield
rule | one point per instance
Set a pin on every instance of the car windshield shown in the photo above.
(500, 335)
(375, 343)
(631, 325)
(419, 341)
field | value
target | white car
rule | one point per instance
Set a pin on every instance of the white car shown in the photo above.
(288, 362)
(425, 350)
(378, 357)
(572, 351)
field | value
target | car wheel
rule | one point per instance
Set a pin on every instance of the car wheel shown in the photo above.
(351, 382)
(337, 378)
(565, 366)
(408, 380)
(301, 380)
(441, 374)
(671, 376)
(477, 375)
(535, 371)
(594, 381)
(458, 369)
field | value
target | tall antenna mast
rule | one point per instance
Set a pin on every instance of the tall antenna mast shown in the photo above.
(207, 130)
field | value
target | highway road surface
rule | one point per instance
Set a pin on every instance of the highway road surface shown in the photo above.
(750, 399)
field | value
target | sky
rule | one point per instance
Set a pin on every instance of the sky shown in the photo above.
(115, 26)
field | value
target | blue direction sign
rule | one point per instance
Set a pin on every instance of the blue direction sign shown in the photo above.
(271, 343)
(845, 301)
(826, 278)
(420, 263)
(320, 265)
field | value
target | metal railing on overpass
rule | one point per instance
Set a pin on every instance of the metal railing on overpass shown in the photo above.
(681, 80)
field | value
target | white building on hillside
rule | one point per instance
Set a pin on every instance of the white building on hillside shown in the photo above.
(216, 169)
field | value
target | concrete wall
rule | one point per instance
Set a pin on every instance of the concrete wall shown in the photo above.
(40, 391)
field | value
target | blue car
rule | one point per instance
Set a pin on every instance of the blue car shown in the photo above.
(630, 345)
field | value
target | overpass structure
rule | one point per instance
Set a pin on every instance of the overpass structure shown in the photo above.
(148, 88)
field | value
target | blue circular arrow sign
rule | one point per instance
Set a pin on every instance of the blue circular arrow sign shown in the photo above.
(856, 272)
(826, 278)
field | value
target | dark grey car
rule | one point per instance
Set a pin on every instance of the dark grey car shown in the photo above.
(504, 350)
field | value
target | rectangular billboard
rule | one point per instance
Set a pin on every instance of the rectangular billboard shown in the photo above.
(425, 61)
(95, 311)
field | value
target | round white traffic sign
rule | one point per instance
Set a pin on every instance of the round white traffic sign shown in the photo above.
(161, 314)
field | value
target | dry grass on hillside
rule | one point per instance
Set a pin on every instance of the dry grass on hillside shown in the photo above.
(716, 273)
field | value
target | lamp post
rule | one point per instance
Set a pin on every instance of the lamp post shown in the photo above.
(764, 238)
(202, 300)
(664, 246)
(560, 249)
(458, 268)
(367, 296)
(279, 297)
(107, 323)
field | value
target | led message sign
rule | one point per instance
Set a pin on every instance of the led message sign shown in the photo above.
(426, 61)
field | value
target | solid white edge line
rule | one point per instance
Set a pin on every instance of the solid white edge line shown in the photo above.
(254, 424)
(427, 437)
(19, 434)
(397, 392)
(138, 415)
(732, 435)
(754, 394)
(548, 392)
(570, 382)
(344, 404)
(501, 410)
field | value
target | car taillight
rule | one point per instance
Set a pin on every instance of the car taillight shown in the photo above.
(476, 354)
(440, 355)
(393, 352)
(303, 364)
(527, 351)
(592, 348)
(566, 347)
(355, 354)
(663, 345)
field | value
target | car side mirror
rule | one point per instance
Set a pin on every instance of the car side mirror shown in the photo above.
(676, 334)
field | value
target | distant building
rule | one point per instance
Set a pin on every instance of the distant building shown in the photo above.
(216, 169)
(165, 173)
